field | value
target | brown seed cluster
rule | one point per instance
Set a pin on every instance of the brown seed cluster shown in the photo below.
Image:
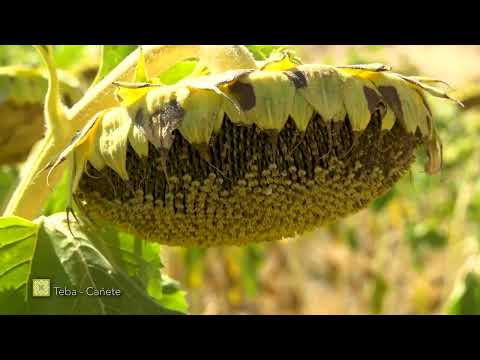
(20, 128)
(250, 185)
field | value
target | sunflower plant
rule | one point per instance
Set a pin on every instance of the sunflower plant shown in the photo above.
(202, 146)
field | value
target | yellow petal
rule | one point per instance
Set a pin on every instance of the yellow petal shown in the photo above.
(138, 140)
(324, 91)
(128, 94)
(361, 100)
(406, 103)
(270, 99)
(302, 112)
(112, 139)
(82, 136)
(96, 159)
(141, 74)
(203, 114)
(388, 119)
(79, 159)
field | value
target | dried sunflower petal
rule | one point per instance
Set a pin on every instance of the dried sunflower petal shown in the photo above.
(113, 134)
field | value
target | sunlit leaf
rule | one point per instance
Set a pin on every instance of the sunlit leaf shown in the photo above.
(262, 52)
(17, 241)
(79, 262)
(112, 55)
(178, 72)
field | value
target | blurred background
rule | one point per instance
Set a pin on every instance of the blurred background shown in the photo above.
(413, 251)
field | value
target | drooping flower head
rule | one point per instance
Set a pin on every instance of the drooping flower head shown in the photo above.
(251, 154)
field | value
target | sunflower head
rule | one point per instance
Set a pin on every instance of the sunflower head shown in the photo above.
(22, 93)
(254, 154)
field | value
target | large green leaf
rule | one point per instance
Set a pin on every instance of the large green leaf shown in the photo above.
(112, 55)
(79, 260)
(17, 242)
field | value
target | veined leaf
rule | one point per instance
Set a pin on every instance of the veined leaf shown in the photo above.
(83, 263)
(112, 55)
(17, 241)
(77, 262)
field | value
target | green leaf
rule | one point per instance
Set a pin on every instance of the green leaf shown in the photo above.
(262, 52)
(111, 56)
(78, 261)
(141, 74)
(178, 72)
(172, 297)
(18, 54)
(12, 302)
(82, 263)
(71, 56)
(17, 242)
